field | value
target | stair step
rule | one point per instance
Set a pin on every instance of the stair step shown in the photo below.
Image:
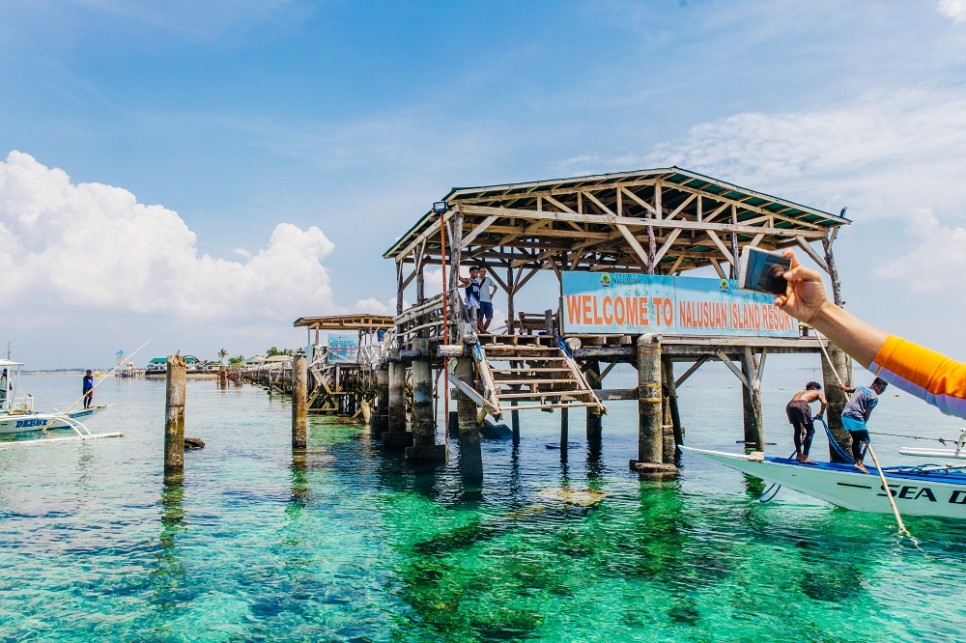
(548, 369)
(554, 405)
(536, 395)
(535, 381)
(522, 348)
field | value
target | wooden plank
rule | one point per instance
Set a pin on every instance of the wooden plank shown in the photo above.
(694, 367)
(639, 201)
(609, 219)
(668, 242)
(721, 246)
(820, 261)
(731, 366)
(635, 245)
(477, 231)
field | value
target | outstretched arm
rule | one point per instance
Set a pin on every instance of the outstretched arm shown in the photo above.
(805, 300)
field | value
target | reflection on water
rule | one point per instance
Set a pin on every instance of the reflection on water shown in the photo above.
(343, 542)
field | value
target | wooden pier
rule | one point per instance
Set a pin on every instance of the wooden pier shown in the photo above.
(638, 238)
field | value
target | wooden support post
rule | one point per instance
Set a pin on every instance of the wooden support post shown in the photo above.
(564, 431)
(515, 422)
(510, 311)
(837, 398)
(594, 424)
(751, 401)
(396, 436)
(222, 377)
(380, 421)
(471, 454)
(174, 416)
(300, 379)
(650, 442)
(424, 422)
(673, 433)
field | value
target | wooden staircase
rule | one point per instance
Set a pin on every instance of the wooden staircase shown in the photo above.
(526, 372)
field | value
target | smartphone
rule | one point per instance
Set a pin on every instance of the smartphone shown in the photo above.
(763, 271)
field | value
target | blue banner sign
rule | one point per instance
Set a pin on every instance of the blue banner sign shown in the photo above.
(629, 303)
(343, 348)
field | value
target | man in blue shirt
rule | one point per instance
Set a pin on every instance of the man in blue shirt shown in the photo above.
(856, 414)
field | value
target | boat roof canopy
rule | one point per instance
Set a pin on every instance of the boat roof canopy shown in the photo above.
(7, 362)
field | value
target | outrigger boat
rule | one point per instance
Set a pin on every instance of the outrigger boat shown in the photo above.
(17, 415)
(921, 490)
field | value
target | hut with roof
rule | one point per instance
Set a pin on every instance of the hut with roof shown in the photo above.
(623, 248)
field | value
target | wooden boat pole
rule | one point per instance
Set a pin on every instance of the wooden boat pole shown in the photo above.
(875, 460)
(104, 379)
(892, 501)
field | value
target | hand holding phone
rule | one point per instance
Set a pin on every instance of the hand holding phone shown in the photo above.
(763, 271)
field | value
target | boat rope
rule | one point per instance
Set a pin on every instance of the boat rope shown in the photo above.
(943, 441)
(885, 485)
(839, 451)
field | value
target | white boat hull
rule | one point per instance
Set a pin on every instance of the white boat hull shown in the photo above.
(24, 422)
(924, 493)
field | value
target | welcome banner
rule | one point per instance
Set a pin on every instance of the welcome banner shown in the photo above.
(627, 303)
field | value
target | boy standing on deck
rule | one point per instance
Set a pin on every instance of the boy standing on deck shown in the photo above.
(800, 416)
(856, 414)
(472, 284)
(487, 290)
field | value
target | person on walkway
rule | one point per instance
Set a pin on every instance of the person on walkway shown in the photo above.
(856, 414)
(472, 284)
(487, 290)
(4, 385)
(88, 389)
(915, 369)
(800, 416)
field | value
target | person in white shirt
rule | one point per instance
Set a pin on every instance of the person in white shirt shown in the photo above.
(487, 290)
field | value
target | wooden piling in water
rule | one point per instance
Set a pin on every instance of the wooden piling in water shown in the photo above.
(751, 401)
(594, 419)
(299, 401)
(174, 415)
(471, 454)
(564, 431)
(380, 420)
(837, 398)
(424, 421)
(650, 436)
(672, 417)
(396, 435)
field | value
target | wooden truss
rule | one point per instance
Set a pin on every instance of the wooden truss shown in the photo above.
(663, 221)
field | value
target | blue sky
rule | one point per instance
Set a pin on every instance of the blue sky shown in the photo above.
(201, 174)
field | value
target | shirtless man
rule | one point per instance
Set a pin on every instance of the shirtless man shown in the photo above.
(800, 416)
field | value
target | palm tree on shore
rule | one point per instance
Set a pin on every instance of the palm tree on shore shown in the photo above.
(222, 354)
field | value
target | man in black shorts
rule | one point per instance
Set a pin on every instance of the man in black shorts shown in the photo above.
(800, 416)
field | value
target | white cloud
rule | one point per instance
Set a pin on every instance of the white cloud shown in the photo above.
(373, 306)
(90, 246)
(937, 261)
(879, 154)
(953, 9)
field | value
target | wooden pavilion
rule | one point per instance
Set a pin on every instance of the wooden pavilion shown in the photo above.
(656, 222)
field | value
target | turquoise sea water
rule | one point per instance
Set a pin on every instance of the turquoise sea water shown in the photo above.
(346, 543)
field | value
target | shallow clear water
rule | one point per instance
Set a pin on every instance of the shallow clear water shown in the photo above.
(346, 543)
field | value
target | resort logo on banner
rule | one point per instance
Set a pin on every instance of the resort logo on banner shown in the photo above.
(627, 303)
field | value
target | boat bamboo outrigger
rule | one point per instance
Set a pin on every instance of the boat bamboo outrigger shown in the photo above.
(17, 414)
